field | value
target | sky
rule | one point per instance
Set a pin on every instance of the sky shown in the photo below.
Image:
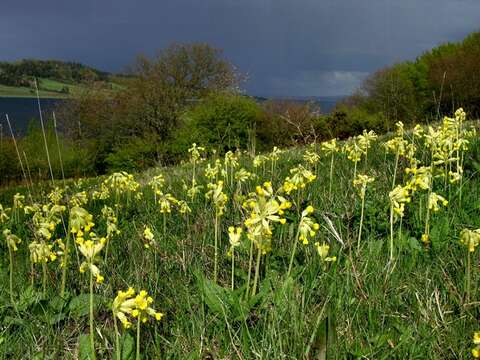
(286, 47)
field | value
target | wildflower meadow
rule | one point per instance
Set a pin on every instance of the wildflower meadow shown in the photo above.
(364, 248)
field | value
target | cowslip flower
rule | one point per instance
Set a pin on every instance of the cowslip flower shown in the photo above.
(148, 237)
(323, 251)
(122, 305)
(307, 227)
(11, 239)
(470, 238)
(90, 249)
(398, 197)
(218, 197)
(362, 181)
(476, 342)
(234, 237)
(142, 309)
(433, 201)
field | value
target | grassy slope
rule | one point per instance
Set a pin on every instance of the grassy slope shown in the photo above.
(49, 89)
(415, 311)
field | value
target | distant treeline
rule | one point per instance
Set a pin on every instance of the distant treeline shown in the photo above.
(21, 73)
(190, 93)
(436, 83)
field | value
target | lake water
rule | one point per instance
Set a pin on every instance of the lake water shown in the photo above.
(23, 110)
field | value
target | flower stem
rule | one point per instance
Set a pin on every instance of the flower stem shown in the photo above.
(391, 233)
(65, 265)
(250, 262)
(138, 339)
(257, 270)
(92, 340)
(11, 276)
(44, 278)
(467, 281)
(118, 351)
(397, 155)
(331, 177)
(292, 256)
(233, 268)
(215, 266)
(361, 224)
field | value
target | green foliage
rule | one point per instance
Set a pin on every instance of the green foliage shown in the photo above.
(21, 73)
(222, 121)
(135, 155)
(436, 83)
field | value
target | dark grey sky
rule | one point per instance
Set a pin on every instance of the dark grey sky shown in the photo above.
(288, 47)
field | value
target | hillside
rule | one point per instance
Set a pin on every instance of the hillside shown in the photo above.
(327, 269)
(55, 79)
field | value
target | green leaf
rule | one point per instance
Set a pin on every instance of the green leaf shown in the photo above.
(79, 305)
(84, 348)
(128, 347)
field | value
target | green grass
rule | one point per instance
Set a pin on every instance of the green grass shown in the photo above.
(50, 88)
(357, 307)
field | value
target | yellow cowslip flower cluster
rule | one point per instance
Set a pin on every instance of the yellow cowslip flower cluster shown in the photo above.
(102, 194)
(148, 237)
(90, 249)
(41, 252)
(433, 201)
(470, 238)
(183, 207)
(243, 175)
(307, 227)
(18, 201)
(354, 151)
(126, 303)
(420, 178)
(157, 183)
(234, 238)
(311, 157)
(112, 221)
(80, 221)
(218, 197)
(212, 172)
(265, 209)
(166, 201)
(121, 182)
(192, 189)
(362, 181)
(330, 147)
(446, 143)
(79, 199)
(300, 177)
(399, 196)
(366, 139)
(56, 195)
(195, 152)
(11, 239)
(398, 144)
(4, 214)
(476, 342)
(259, 160)
(231, 160)
(323, 250)
(274, 154)
(45, 219)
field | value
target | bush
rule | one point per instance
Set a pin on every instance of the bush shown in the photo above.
(136, 155)
(221, 121)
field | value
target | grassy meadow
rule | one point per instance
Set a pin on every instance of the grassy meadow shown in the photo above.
(347, 250)
(50, 88)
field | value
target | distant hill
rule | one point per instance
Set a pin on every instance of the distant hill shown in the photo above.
(54, 78)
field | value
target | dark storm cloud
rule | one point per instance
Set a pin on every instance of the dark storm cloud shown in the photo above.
(301, 47)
